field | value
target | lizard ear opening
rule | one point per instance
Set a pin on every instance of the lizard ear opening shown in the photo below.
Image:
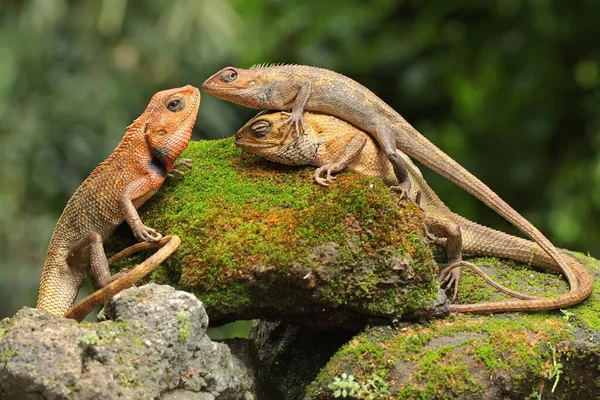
(261, 128)
(228, 75)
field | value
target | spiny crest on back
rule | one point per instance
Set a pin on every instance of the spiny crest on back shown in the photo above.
(275, 65)
(267, 65)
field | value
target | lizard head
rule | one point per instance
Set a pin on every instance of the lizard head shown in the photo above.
(242, 86)
(265, 136)
(168, 122)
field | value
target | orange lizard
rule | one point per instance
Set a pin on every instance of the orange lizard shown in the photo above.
(110, 195)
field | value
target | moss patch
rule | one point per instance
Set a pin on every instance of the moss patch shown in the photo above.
(260, 235)
(469, 356)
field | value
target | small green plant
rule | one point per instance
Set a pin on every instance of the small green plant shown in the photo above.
(374, 388)
(346, 385)
(534, 396)
(184, 325)
(555, 370)
(567, 314)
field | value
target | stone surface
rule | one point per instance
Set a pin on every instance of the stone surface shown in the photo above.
(502, 356)
(275, 245)
(292, 356)
(156, 347)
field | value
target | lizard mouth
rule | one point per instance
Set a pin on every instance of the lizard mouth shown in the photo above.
(244, 144)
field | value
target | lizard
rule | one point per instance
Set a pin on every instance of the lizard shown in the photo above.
(111, 194)
(333, 145)
(299, 88)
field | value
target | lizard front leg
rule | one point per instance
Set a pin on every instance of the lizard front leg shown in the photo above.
(296, 119)
(351, 150)
(142, 188)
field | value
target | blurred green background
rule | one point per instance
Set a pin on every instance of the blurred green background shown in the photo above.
(510, 89)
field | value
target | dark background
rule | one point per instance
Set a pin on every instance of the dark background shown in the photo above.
(510, 89)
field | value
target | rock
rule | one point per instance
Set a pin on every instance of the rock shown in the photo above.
(156, 347)
(503, 356)
(292, 356)
(275, 245)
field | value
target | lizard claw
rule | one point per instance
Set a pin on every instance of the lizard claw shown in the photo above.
(330, 169)
(145, 234)
(449, 281)
(184, 162)
(296, 120)
(403, 190)
(175, 172)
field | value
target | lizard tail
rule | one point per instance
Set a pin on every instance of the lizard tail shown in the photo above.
(577, 294)
(167, 245)
(416, 145)
(481, 240)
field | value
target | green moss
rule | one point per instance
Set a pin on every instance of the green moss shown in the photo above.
(184, 325)
(127, 381)
(457, 356)
(252, 230)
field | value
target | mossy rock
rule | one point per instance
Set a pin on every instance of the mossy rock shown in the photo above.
(503, 356)
(261, 240)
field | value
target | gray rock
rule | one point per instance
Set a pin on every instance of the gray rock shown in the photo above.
(292, 356)
(155, 347)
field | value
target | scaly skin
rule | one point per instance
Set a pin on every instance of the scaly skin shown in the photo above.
(111, 194)
(299, 88)
(332, 145)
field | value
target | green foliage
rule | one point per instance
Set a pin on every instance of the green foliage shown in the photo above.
(508, 88)
(374, 387)
(555, 370)
(344, 386)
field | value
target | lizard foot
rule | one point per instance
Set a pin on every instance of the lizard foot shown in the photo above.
(449, 280)
(296, 120)
(402, 189)
(145, 234)
(184, 162)
(330, 169)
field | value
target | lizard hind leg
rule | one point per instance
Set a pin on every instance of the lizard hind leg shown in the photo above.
(99, 266)
(387, 140)
(447, 234)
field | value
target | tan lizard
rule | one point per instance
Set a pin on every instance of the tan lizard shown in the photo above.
(111, 194)
(333, 145)
(299, 88)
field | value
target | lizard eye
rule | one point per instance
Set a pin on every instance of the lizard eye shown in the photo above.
(175, 104)
(261, 129)
(229, 75)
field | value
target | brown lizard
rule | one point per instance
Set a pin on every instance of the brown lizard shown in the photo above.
(111, 194)
(333, 145)
(299, 88)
